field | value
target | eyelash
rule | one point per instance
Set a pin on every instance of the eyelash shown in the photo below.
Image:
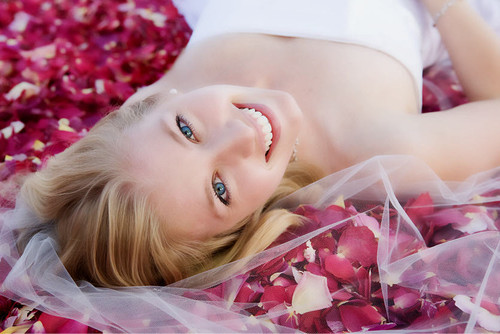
(183, 122)
(225, 201)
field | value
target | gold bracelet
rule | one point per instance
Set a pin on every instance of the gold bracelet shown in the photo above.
(443, 10)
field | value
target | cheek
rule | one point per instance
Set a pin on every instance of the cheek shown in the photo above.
(262, 185)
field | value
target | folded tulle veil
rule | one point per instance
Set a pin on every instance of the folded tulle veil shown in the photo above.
(38, 279)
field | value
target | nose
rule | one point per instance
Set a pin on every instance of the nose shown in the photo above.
(235, 140)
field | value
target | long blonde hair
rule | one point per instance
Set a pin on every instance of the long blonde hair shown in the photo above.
(105, 225)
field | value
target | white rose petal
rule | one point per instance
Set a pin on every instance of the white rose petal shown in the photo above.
(99, 86)
(17, 126)
(485, 318)
(20, 22)
(311, 294)
(23, 87)
(309, 252)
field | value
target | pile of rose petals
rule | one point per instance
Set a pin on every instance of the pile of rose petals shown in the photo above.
(441, 89)
(331, 283)
(64, 64)
(22, 319)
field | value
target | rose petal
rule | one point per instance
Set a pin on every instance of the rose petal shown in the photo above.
(314, 268)
(370, 222)
(341, 295)
(485, 318)
(311, 294)
(332, 214)
(277, 265)
(334, 321)
(356, 317)
(5, 305)
(246, 294)
(419, 208)
(272, 296)
(364, 281)
(20, 22)
(478, 222)
(404, 299)
(339, 266)
(309, 252)
(289, 318)
(37, 328)
(448, 216)
(311, 322)
(25, 89)
(358, 244)
(282, 281)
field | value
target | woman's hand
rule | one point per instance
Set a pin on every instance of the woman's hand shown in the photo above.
(473, 46)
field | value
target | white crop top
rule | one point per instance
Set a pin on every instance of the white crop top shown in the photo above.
(400, 28)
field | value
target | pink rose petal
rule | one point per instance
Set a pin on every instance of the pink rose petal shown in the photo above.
(358, 244)
(404, 299)
(289, 318)
(339, 266)
(334, 321)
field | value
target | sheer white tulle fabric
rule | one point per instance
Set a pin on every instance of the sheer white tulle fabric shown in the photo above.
(38, 279)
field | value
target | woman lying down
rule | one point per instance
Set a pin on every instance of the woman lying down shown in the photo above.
(266, 98)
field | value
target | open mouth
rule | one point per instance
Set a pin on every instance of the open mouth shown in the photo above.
(263, 124)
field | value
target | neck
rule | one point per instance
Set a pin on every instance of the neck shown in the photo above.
(290, 65)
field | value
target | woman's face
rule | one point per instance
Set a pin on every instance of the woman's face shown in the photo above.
(208, 158)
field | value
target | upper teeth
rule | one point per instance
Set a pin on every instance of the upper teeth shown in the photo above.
(264, 123)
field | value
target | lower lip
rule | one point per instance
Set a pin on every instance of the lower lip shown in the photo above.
(275, 125)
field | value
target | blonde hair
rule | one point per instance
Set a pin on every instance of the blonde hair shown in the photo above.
(106, 227)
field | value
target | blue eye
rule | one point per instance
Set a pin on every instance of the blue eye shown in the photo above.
(185, 128)
(221, 190)
(186, 131)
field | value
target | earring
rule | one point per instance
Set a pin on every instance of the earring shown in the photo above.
(173, 91)
(295, 151)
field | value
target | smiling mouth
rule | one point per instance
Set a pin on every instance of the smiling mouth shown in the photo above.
(263, 124)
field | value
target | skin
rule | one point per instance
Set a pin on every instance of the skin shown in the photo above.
(347, 115)
(223, 146)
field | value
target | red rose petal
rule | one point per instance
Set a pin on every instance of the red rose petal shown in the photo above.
(340, 267)
(419, 208)
(54, 324)
(314, 268)
(355, 317)
(334, 321)
(358, 243)
(272, 296)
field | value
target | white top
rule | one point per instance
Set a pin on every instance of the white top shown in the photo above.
(400, 28)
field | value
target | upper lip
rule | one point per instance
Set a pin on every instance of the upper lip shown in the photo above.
(265, 111)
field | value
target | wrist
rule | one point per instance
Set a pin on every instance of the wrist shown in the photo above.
(442, 9)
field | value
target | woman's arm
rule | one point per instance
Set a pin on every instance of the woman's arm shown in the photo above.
(461, 141)
(473, 46)
(466, 139)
